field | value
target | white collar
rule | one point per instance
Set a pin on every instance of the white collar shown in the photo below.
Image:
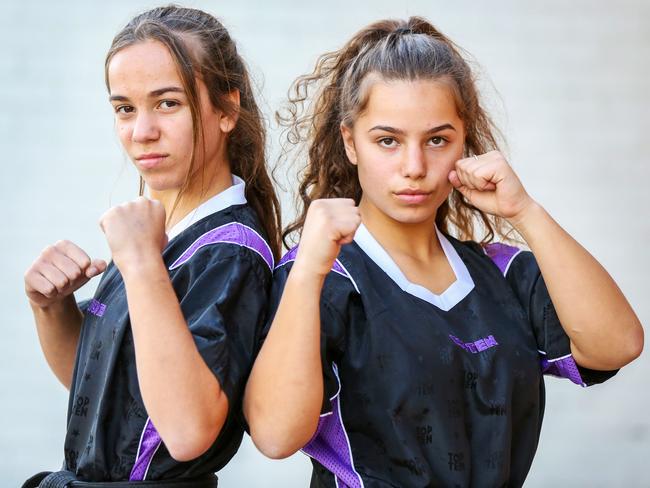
(458, 290)
(233, 195)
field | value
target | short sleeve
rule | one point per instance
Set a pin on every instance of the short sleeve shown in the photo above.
(332, 329)
(523, 274)
(223, 294)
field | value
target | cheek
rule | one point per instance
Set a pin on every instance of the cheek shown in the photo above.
(124, 132)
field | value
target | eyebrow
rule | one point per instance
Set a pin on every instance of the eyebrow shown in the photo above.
(153, 94)
(393, 130)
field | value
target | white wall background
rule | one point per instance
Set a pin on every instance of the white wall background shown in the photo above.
(572, 98)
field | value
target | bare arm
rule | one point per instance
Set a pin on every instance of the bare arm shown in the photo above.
(181, 394)
(49, 284)
(604, 331)
(284, 394)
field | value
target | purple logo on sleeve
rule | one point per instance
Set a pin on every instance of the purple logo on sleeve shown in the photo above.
(96, 308)
(476, 346)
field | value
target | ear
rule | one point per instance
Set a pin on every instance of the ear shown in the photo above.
(228, 120)
(348, 143)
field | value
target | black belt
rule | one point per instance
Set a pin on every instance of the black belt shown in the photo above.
(66, 479)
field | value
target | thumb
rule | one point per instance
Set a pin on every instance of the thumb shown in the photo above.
(97, 266)
(453, 179)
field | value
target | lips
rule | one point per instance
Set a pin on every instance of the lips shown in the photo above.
(150, 160)
(411, 196)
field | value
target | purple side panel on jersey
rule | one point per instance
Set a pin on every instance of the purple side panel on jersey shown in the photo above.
(149, 444)
(234, 233)
(565, 368)
(96, 308)
(501, 254)
(289, 256)
(330, 447)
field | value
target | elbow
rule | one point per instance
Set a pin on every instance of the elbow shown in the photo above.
(276, 446)
(278, 440)
(195, 434)
(191, 442)
(631, 346)
(635, 343)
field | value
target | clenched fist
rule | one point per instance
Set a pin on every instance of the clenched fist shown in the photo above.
(135, 230)
(59, 271)
(491, 185)
(329, 224)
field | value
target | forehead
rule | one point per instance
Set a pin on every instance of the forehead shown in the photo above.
(142, 67)
(404, 103)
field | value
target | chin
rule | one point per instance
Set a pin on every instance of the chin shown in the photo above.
(160, 185)
(413, 216)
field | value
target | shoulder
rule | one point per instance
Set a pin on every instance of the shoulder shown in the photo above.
(338, 282)
(230, 235)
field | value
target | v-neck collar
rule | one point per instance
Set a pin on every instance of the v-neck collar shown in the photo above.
(233, 195)
(458, 290)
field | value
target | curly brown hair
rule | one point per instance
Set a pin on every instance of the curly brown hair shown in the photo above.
(201, 47)
(335, 93)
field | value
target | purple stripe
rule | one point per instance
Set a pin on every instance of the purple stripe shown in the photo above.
(565, 368)
(149, 444)
(338, 267)
(234, 233)
(291, 256)
(501, 254)
(288, 257)
(330, 447)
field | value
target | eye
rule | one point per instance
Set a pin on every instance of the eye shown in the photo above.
(168, 104)
(124, 109)
(387, 142)
(437, 141)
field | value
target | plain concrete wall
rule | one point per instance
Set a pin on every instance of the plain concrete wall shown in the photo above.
(571, 96)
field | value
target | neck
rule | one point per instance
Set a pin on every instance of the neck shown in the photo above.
(177, 206)
(418, 240)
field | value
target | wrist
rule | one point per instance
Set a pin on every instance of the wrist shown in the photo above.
(304, 275)
(54, 307)
(144, 265)
(529, 221)
(528, 213)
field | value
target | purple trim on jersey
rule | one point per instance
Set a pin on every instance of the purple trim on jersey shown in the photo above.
(288, 257)
(476, 346)
(331, 448)
(337, 267)
(149, 444)
(501, 254)
(233, 233)
(96, 308)
(564, 367)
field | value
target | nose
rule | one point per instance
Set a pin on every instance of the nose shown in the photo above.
(145, 128)
(414, 164)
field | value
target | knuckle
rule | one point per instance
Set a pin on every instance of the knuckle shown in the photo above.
(49, 251)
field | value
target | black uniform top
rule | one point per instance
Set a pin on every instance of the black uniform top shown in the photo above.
(220, 267)
(433, 390)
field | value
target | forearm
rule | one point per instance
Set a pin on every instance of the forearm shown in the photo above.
(604, 330)
(284, 394)
(181, 394)
(58, 327)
